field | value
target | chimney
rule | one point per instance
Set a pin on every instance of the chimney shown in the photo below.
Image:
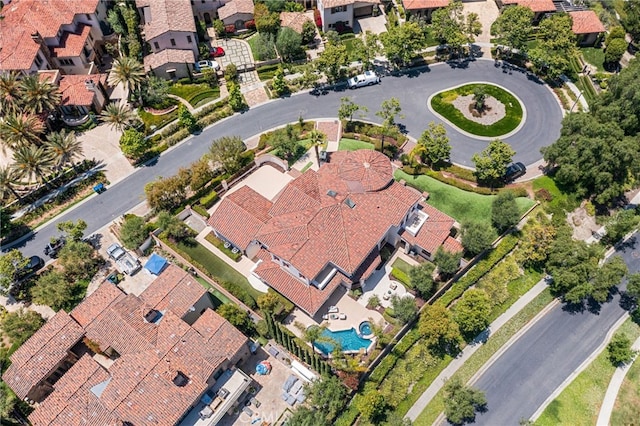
(36, 37)
(90, 85)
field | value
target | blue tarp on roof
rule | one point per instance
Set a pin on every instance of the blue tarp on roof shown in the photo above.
(155, 264)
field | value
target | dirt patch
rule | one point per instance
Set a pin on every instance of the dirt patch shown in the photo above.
(582, 224)
(493, 111)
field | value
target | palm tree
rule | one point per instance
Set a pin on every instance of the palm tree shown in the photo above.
(8, 177)
(33, 162)
(128, 71)
(317, 138)
(39, 96)
(64, 147)
(118, 116)
(315, 333)
(20, 130)
(9, 92)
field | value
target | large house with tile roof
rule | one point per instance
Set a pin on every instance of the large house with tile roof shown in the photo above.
(336, 13)
(65, 35)
(326, 228)
(157, 354)
(539, 7)
(423, 8)
(586, 25)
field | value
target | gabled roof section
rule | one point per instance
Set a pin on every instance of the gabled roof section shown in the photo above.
(162, 16)
(94, 304)
(168, 56)
(72, 43)
(434, 232)
(74, 90)
(535, 5)
(174, 290)
(424, 4)
(235, 6)
(294, 20)
(41, 353)
(586, 22)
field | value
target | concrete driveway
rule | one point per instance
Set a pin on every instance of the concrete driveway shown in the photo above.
(102, 143)
(237, 52)
(375, 24)
(520, 380)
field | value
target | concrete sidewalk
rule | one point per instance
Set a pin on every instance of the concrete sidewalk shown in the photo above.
(612, 391)
(470, 349)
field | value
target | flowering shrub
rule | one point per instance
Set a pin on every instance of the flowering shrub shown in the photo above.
(250, 25)
(317, 18)
(230, 29)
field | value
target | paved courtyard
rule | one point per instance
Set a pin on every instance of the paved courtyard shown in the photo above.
(266, 181)
(102, 143)
(384, 287)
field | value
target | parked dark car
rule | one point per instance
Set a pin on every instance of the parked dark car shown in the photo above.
(514, 171)
(54, 247)
(35, 264)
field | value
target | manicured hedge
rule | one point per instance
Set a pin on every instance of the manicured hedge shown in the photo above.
(209, 200)
(348, 416)
(401, 276)
(200, 210)
(505, 247)
(385, 366)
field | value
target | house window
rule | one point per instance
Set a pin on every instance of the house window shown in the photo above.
(66, 62)
(173, 41)
(156, 45)
(87, 16)
(338, 9)
(189, 39)
(38, 60)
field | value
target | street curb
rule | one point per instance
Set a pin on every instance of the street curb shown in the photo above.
(580, 368)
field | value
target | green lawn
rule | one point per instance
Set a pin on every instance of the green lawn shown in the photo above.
(560, 201)
(158, 121)
(461, 205)
(627, 408)
(402, 265)
(195, 93)
(579, 403)
(353, 145)
(219, 270)
(253, 43)
(442, 104)
(594, 55)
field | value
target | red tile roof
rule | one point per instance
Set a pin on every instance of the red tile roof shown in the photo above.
(424, 4)
(74, 90)
(72, 43)
(535, 5)
(334, 3)
(235, 6)
(138, 387)
(39, 355)
(175, 290)
(168, 56)
(434, 231)
(293, 20)
(240, 216)
(24, 17)
(586, 22)
(167, 15)
(452, 245)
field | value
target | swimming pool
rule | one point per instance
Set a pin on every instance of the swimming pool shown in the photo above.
(365, 329)
(349, 341)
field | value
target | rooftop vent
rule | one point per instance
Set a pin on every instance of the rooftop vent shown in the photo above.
(152, 316)
(180, 379)
(332, 193)
(223, 393)
(349, 202)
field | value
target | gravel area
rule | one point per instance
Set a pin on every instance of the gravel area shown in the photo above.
(494, 109)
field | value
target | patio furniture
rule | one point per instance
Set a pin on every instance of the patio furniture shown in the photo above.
(393, 286)
(333, 309)
(247, 411)
(291, 380)
(343, 316)
(273, 351)
(297, 386)
(291, 400)
(325, 317)
(386, 296)
(255, 402)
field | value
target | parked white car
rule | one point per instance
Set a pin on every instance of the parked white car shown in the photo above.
(200, 65)
(369, 78)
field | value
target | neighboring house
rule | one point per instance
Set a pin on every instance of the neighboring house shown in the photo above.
(236, 12)
(65, 35)
(423, 8)
(206, 10)
(170, 30)
(337, 13)
(294, 20)
(81, 94)
(158, 353)
(326, 228)
(587, 26)
(539, 7)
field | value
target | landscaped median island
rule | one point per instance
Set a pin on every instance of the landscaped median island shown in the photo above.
(480, 109)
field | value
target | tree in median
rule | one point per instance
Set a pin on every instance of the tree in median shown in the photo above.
(619, 349)
(21, 324)
(477, 237)
(504, 211)
(421, 277)
(331, 61)
(461, 402)
(227, 152)
(402, 43)
(447, 262)
(348, 108)
(404, 308)
(472, 312)
(133, 143)
(433, 145)
(440, 332)
(10, 264)
(513, 26)
(491, 164)
(52, 289)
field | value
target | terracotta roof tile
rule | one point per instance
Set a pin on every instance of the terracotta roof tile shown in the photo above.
(434, 232)
(35, 359)
(534, 5)
(74, 90)
(334, 3)
(24, 17)
(452, 245)
(424, 4)
(72, 43)
(167, 15)
(235, 6)
(175, 290)
(96, 303)
(168, 56)
(293, 20)
(586, 22)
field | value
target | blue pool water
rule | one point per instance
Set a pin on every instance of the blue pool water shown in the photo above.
(365, 328)
(349, 340)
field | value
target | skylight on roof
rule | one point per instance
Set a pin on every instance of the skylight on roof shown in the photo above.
(349, 202)
(332, 193)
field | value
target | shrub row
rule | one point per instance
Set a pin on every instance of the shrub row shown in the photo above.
(381, 371)
(200, 210)
(209, 200)
(505, 247)
(401, 276)
(240, 293)
(562, 97)
(461, 172)
(349, 415)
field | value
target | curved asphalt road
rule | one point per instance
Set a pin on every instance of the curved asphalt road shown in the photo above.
(520, 381)
(542, 127)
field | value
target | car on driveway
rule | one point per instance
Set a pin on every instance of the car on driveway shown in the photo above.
(54, 246)
(115, 251)
(35, 263)
(201, 65)
(514, 171)
(368, 78)
(216, 52)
